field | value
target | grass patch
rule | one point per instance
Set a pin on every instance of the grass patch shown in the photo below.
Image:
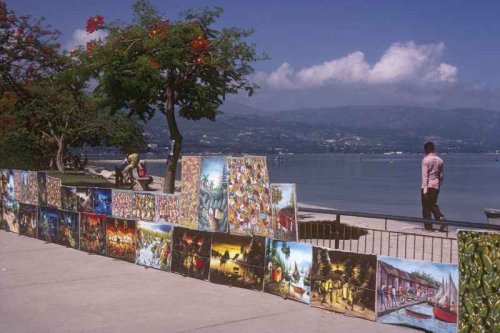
(75, 178)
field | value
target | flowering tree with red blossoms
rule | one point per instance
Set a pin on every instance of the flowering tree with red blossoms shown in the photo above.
(184, 67)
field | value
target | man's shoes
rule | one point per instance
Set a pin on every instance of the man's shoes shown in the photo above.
(443, 228)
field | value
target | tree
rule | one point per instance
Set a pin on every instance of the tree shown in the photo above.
(277, 195)
(185, 66)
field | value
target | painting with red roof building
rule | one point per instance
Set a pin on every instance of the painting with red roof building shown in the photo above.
(284, 208)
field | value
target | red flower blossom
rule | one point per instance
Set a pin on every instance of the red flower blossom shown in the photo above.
(154, 63)
(94, 23)
(199, 44)
(160, 29)
(91, 46)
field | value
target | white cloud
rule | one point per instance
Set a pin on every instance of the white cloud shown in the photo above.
(406, 63)
(80, 37)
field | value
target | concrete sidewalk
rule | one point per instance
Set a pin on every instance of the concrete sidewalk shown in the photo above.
(50, 288)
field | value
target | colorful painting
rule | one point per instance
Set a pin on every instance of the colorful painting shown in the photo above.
(344, 282)
(28, 220)
(68, 229)
(168, 208)
(21, 179)
(417, 294)
(479, 281)
(17, 184)
(54, 192)
(103, 201)
(144, 206)
(10, 220)
(237, 261)
(3, 184)
(85, 199)
(190, 191)
(11, 187)
(191, 253)
(284, 207)
(93, 233)
(33, 188)
(122, 204)
(47, 223)
(154, 244)
(288, 269)
(42, 188)
(120, 239)
(69, 199)
(213, 194)
(249, 197)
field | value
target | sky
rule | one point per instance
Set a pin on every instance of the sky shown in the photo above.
(330, 53)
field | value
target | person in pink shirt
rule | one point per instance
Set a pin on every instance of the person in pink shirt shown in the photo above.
(432, 179)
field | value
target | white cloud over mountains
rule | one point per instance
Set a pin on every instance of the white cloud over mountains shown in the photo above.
(402, 63)
(80, 37)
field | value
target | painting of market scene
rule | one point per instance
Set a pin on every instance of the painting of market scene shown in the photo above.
(93, 233)
(213, 195)
(153, 244)
(344, 282)
(191, 253)
(68, 229)
(47, 223)
(417, 294)
(28, 220)
(120, 239)
(288, 269)
(237, 261)
(284, 205)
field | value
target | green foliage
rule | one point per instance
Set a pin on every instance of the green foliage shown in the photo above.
(426, 277)
(19, 149)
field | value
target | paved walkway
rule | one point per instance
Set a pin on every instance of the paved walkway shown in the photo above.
(50, 288)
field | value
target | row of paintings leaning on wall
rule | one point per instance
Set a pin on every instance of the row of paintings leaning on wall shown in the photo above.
(389, 290)
(221, 194)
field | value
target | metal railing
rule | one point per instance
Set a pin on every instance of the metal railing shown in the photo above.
(380, 234)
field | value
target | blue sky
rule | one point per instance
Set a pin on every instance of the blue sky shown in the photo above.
(327, 53)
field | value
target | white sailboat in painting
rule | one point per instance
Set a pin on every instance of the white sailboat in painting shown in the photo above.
(445, 308)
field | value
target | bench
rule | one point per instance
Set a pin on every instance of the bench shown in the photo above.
(141, 183)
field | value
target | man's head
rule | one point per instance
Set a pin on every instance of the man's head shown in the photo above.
(429, 148)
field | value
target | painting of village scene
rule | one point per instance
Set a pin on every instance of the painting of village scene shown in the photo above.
(168, 208)
(284, 205)
(69, 199)
(213, 195)
(249, 206)
(54, 192)
(237, 261)
(122, 203)
(191, 253)
(153, 244)
(33, 188)
(42, 188)
(190, 191)
(11, 187)
(288, 269)
(10, 220)
(144, 206)
(47, 223)
(28, 220)
(344, 282)
(102, 201)
(417, 294)
(93, 233)
(68, 229)
(120, 239)
(85, 202)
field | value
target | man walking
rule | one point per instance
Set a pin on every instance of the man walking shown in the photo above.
(432, 179)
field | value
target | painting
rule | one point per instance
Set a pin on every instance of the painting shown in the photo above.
(144, 206)
(69, 199)
(417, 294)
(344, 282)
(212, 214)
(3, 184)
(85, 199)
(33, 188)
(191, 253)
(68, 229)
(11, 187)
(23, 185)
(10, 220)
(479, 300)
(17, 185)
(288, 269)
(284, 208)
(28, 220)
(120, 239)
(154, 244)
(103, 201)
(168, 208)
(54, 192)
(237, 261)
(47, 223)
(93, 233)
(190, 191)
(249, 211)
(122, 204)
(42, 188)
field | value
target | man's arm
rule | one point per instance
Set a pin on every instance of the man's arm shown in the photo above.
(441, 174)
(425, 176)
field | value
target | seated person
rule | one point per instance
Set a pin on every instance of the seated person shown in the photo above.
(133, 162)
(141, 169)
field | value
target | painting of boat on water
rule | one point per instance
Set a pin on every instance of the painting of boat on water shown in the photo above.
(417, 294)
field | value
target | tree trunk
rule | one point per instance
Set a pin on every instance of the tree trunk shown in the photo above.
(176, 137)
(60, 154)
